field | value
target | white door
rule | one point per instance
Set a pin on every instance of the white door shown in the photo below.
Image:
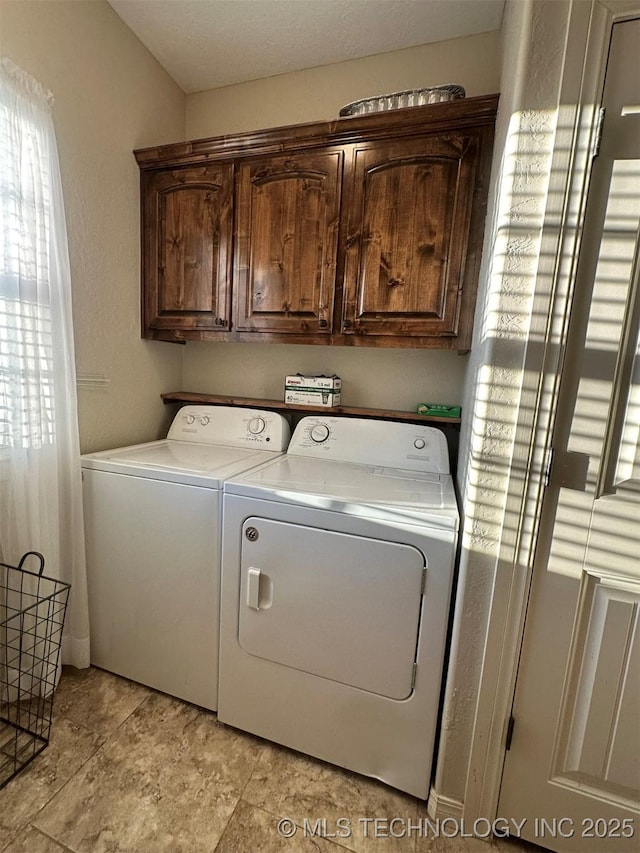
(573, 768)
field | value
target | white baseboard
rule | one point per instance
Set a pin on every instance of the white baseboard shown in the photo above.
(440, 807)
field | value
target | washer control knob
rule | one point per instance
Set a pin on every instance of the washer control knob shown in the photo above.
(256, 426)
(190, 419)
(319, 433)
(419, 443)
(204, 420)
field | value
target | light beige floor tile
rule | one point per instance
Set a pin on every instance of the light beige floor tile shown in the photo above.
(446, 843)
(33, 841)
(293, 786)
(516, 845)
(165, 777)
(254, 829)
(96, 699)
(23, 797)
(167, 780)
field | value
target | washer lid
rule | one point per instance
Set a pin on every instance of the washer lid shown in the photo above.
(178, 461)
(393, 494)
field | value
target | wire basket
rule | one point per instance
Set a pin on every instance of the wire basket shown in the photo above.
(32, 611)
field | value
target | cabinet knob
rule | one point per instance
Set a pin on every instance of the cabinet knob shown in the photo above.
(219, 321)
(323, 324)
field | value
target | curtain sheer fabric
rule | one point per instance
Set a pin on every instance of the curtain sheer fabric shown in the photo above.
(40, 475)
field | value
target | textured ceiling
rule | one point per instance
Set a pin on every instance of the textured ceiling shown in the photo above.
(204, 44)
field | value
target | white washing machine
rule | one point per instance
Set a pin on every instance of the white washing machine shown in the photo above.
(153, 515)
(337, 570)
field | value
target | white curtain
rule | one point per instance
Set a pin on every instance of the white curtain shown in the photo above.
(40, 475)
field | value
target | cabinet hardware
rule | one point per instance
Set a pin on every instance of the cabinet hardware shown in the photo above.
(509, 737)
(597, 138)
(567, 470)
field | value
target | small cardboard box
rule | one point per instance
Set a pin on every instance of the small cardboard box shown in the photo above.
(312, 390)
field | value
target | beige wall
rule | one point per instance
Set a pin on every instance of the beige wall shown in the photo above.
(316, 94)
(381, 378)
(111, 96)
(377, 378)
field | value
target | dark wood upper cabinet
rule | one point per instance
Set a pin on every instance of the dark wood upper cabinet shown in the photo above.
(408, 234)
(363, 231)
(187, 248)
(287, 241)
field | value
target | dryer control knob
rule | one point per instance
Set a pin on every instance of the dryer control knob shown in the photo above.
(256, 426)
(419, 443)
(190, 418)
(319, 433)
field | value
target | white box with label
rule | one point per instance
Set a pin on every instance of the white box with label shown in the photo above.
(312, 390)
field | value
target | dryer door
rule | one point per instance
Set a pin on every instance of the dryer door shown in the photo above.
(339, 606)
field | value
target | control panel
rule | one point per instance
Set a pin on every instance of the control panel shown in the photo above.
(390, 444)
(232, 426)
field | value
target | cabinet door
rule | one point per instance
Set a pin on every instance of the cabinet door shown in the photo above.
(188, 230)
(408, 235)
(288, 209)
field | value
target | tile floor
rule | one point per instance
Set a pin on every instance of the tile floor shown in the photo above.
(129, 770)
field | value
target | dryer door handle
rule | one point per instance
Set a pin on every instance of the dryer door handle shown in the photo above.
(253, 589)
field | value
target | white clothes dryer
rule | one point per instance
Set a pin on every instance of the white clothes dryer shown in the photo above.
(337, 570)
(153, 515)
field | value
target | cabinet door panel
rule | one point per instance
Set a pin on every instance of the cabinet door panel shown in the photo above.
(186, 259)
(188, 234)
(288, 210)
(408, 233)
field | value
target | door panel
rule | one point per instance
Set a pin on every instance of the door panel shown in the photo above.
(408, 232)
(576, 744)
(186, 255)
(288, 210)
(188, 240)
(334, 605)
(599, 720)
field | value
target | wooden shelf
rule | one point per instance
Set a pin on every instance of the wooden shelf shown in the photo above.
(278, 406)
